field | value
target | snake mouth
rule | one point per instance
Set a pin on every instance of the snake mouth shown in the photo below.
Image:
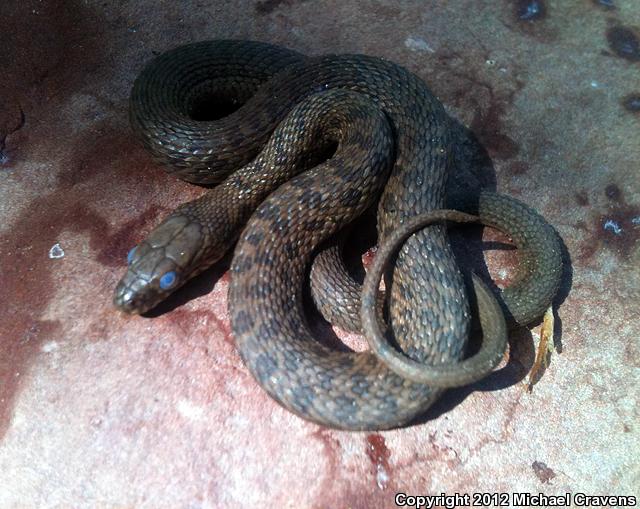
(128, 300)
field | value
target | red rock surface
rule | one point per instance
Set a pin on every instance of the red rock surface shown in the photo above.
(98, 409)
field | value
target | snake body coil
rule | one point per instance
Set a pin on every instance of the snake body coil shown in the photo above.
(377, 118)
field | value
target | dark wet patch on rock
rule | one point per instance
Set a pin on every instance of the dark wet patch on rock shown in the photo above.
(582, 198)
(607, 5)
(379, 455)
(617, 229)
(632, 103)
(518, 167)
(489, 128)
(530, 10)
(268, 6)
(542, 471)
(624, 42)
(613, 192)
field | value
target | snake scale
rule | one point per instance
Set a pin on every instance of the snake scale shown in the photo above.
(305, 146)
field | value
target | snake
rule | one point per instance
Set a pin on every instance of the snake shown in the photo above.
(296, 148)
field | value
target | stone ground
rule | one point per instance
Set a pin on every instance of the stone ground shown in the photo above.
(103, 410)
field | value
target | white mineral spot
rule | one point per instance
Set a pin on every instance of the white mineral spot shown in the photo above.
(418, 44)
(382, 477)
(189, 410)
(56, 251)
(50, 346)
(610, 224)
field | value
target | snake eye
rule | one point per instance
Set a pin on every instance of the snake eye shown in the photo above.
(167, 280)
(130, 255)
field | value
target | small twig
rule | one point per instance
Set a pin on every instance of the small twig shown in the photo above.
(545, 349)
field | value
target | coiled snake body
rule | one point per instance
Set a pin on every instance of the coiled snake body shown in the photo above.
(387, 134)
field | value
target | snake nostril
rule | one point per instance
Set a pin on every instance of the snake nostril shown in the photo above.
(124, 299)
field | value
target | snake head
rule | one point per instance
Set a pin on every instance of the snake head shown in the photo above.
(160, 264)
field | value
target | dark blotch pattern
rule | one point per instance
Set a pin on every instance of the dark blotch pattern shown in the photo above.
(266, 367)
(243, 321)
(242, 263)
(303, 397)
(268, 212)
(254, 238)
(351, 197)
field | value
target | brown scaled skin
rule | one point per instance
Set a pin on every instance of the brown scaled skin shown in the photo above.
(379, 115)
